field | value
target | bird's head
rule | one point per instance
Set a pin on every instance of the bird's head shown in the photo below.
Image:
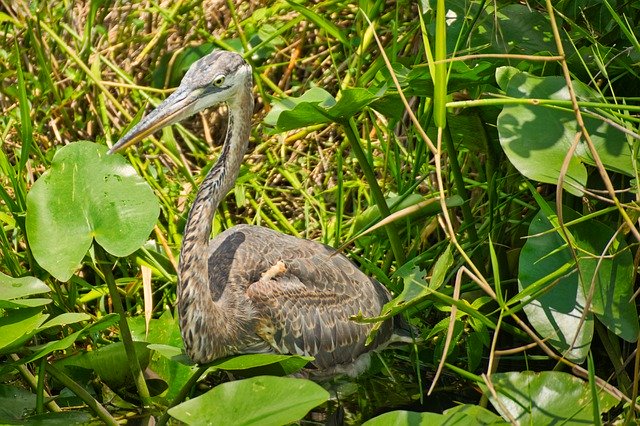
(211, 80)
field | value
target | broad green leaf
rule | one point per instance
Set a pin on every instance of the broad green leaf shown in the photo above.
(352, 101)
(613, 275)
(18, 326)
(24, 303)
(462, 415)
(302, 111)
(87, 195)
(556, 314)
(172, 353)
(110, 363)
(14, 288)
(288, 363)
(550, 397)
(405, 418)
(317, 106)
(536, 138)
(64, 418)
(262, 400)
(67, 341)
(523, 30)
(64, 319)
(15, 403)
(418, 81)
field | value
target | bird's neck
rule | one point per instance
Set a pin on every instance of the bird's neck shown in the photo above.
(193, 285)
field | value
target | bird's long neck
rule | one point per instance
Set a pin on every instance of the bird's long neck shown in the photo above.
(193, 285)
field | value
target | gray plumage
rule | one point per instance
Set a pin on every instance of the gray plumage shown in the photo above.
(252, 289)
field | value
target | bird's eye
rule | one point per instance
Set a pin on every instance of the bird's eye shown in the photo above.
(218, 80)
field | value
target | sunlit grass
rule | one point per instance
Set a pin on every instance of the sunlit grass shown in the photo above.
(86, 71)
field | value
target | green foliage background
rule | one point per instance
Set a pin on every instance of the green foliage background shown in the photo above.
(510, 242)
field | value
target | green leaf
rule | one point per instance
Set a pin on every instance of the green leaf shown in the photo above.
(64, 418)
(110, 363)
(297, 108)
(24, 303)
(14, 288)
(352, 101)
(272, 401)
(317, 106)
(64, 319)
(404, 418)
(67, 341)
(15, 403)
(523, 30)
(441, 269)
(556, 313)
(172, 353)
(467, 415)
(612, 276)
(536, 138)
(18, 326)
(550, 397)
(289, 363)
(87, 195)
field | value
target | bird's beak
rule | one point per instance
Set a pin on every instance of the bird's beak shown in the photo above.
(181, 104)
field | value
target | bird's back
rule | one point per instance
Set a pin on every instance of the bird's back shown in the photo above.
(302, 295)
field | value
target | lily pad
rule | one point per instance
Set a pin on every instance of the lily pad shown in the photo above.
(556, 314)
(467, 415)
(550, 397)
(536, 138)
(87, 195)
(272, 401)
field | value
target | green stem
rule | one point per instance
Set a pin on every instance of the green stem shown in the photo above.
(34, 383)
(461, 189)
(184, 391)
(82, 394)
(381, 202)
(440, 80)
(40, 387)
(125, 333)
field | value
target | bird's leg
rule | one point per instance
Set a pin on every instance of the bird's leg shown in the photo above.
(278, 269)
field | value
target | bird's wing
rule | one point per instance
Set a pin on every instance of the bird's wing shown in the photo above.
(303, 293)
(300, 319)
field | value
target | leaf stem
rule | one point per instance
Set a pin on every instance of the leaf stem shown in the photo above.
(82, 394)
(125, 333)
(34, 383)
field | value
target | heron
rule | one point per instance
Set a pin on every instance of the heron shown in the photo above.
(251, 289)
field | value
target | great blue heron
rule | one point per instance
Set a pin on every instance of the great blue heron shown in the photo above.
(252, 289)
